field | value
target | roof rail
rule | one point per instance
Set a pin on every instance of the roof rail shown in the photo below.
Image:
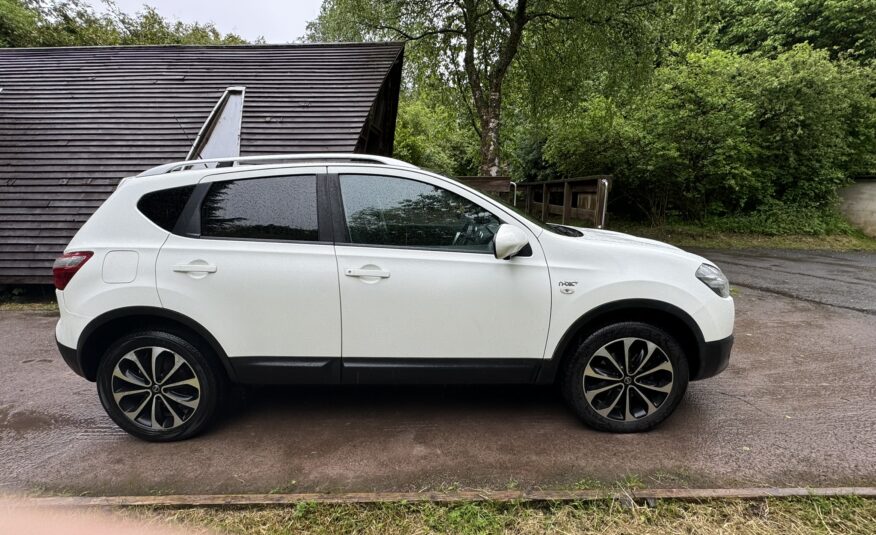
(235, 161)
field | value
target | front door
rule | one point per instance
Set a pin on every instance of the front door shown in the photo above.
(423, 298)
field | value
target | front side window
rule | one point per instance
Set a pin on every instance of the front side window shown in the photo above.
(274, 208)
(406, 213)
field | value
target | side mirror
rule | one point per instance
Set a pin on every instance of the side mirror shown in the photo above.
(509, 241)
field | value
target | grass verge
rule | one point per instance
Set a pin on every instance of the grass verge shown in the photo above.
(695, 236)
(33, 297)
(785, 516)
(36, 306)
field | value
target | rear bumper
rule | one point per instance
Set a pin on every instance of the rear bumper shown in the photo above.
(714, 358)
(70, 357)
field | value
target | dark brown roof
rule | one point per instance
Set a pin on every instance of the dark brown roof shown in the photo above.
(73, 121)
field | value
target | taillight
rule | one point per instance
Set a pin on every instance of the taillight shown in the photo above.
(67, 265)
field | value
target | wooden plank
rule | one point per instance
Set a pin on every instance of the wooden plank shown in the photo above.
(584, 214)
(528, 200)
(487, 184)
(39, 264)
(639, 495)
(30, 278)
(567, 202)
(44, 258)
(545, 201)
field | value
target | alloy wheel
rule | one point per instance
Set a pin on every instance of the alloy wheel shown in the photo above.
(628, 379)
(155, 388)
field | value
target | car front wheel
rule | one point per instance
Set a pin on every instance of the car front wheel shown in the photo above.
(159, 386)
(626, 377)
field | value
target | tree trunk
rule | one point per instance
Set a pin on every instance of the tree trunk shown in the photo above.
(488, 97)
(490, 122)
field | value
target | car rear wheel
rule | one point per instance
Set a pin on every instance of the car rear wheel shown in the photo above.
(159, 386)
(626, 377)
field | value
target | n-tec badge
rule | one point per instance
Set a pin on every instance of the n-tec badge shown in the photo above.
(567, 287)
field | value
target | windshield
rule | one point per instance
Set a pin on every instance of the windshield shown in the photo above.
(552, 227)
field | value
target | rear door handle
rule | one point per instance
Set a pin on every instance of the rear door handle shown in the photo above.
(194, 268)
(350, 272)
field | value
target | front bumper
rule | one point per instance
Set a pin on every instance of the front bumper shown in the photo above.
(714, 358)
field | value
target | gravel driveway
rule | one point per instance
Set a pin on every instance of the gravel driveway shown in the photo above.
(795, 407)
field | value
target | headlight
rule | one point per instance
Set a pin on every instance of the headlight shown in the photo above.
(714, 279)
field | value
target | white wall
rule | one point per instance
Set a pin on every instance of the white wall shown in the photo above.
(859, 205)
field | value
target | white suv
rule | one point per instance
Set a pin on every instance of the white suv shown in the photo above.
(345, 268)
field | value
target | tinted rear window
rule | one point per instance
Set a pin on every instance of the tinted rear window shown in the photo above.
(275, 208)
(164, 207)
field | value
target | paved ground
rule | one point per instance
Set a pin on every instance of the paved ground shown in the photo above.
(796, 407)
(846, 280)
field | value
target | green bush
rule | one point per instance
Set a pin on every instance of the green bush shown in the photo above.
(718, 134)
(777, 219)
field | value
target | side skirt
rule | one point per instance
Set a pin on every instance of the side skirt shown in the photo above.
(319, 370)
(286, 370)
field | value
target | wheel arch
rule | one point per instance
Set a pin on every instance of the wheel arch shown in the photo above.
(675, 321)
(103, 330)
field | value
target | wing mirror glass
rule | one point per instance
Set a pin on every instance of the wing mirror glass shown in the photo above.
(509, 241)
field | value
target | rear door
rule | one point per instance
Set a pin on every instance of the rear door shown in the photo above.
(253, 263)
(423, 298)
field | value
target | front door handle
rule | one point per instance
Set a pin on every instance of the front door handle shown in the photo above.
(380, 274)
(194, 268)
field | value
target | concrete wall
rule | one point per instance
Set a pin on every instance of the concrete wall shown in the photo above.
(859, 204)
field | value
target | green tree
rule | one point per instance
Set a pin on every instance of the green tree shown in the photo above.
(429, 134)
(471, 46)
(682, 144)
(845, 28)
(18, 24)
(35, 23)
(149, 27)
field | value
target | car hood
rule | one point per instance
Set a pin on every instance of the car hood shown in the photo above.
(645, 245)
(625, 239)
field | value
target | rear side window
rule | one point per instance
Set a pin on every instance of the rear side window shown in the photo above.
(164, 207)
(275, 208)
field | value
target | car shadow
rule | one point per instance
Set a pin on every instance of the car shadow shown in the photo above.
(420, 401)
(347, 410)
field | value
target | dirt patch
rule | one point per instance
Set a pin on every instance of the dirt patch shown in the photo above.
(22, 421)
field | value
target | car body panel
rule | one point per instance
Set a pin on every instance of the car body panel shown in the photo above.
(624, 267)
(265, 298)
(440, 303)
(443, 304)
(116, 226)
(285, 299)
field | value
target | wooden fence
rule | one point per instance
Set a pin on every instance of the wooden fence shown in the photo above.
(499, 186)
(582, 198)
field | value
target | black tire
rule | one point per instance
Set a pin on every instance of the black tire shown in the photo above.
(169, 409)
(634, 386)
